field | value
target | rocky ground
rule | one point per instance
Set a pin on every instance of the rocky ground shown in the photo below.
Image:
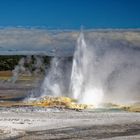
(26, 123)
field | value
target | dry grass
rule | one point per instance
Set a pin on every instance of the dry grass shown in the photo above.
(5, 73)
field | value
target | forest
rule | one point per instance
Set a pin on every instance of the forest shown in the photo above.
(9, 62)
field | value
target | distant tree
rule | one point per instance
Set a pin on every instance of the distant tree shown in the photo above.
(9, 62)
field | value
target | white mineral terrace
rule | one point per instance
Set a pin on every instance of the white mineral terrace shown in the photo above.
(42, 123)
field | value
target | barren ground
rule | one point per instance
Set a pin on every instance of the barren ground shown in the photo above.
(40, 123)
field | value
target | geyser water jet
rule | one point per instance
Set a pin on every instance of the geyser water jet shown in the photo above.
(83, 87)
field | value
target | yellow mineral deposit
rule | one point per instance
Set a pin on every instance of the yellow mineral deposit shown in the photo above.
(68, 103)
(131, 108)
(62, 102)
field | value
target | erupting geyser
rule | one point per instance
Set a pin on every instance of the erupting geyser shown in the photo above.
(105, 69)
(52, 84)
(84, 86)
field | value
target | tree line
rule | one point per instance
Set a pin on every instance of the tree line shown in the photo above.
(9, 62)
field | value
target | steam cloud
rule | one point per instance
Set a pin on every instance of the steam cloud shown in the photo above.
(28, 66)
(117, 68)
(113, 66)
(56, 82)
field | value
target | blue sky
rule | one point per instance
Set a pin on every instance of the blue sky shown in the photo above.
(71, 13)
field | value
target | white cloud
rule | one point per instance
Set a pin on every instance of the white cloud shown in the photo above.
(35, 39)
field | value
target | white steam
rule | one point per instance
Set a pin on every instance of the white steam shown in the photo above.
(105, 68)
(57, 78)
(117, 68)
(27, 66)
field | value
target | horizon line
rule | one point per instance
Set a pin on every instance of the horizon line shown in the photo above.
(70, 29)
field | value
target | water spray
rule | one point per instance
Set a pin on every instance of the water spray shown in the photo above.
(82, 85)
